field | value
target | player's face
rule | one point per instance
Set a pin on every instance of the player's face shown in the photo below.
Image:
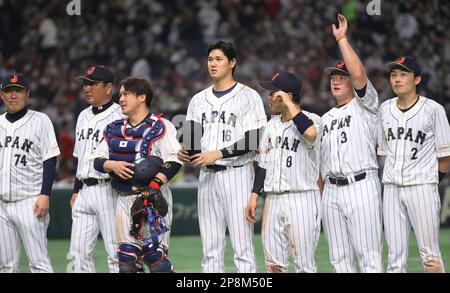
(129, 102)
(403, 82)
(219, 66)
(15, 98)
(275, 102)
(96, 93)
(341, 86)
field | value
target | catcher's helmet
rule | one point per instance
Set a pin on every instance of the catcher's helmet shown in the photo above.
(145, 170)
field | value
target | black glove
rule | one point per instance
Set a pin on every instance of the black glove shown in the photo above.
(157, 200)
(151, 198)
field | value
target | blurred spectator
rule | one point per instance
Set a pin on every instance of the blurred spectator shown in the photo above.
(165, 41)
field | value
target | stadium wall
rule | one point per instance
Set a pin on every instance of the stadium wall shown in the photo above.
(184, 212)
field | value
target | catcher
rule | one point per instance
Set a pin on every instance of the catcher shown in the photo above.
(141, 154)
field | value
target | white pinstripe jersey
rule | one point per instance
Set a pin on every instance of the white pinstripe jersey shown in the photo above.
(89, 134)
(412, 141)
(349, 136)
(226, 119)
(291, 162)
(24, 146)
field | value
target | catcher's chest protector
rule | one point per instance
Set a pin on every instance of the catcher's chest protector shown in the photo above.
(131, 143)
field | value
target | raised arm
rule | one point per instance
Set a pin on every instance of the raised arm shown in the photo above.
(352, 62)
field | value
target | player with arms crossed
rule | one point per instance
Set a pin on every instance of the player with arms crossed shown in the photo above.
(415, 139)
(231, 115)
(349, 168)
(28, 151)
(142, 135)
(288, 169)
(93, 201)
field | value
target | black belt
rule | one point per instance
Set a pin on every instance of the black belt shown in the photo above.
(94, 181)
(341, 181)
(218, 168)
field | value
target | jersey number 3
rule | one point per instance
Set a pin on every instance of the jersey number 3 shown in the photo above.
(20, 160)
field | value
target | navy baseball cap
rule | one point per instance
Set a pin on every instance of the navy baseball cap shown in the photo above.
(407, 63)
(15, 79)
(284, 81)
(339, 66)
(98, 73)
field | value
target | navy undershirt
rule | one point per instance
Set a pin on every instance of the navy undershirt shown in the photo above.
(13, 117)
(220, 94)
(99, 109)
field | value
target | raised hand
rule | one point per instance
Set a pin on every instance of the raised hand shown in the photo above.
(342, 26)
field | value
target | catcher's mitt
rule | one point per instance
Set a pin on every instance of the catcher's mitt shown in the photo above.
(151, 198)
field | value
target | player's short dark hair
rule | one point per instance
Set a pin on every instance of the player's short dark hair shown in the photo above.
(138, 86)
(227, 48)
(296, 98)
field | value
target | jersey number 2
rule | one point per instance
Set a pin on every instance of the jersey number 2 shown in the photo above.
(22, 161)
(414, 151)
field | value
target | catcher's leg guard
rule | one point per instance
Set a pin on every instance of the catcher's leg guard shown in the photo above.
(156, 260)
(128, 254)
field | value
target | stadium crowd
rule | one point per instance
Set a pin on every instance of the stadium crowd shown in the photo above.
(165, 41)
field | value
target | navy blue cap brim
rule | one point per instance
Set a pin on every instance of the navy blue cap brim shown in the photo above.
(81, 77)
(330, 70)
(268, 85)
(391, 66)
(14, 85)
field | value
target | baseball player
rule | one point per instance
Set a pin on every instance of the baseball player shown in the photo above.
(351, 196)
(231, 115)
(93, 201)
(127, 140)
(415, 139)
(288, 169)
(28, 151)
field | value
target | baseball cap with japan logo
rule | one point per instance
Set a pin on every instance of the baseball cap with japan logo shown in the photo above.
(15, 80)
(97, 73)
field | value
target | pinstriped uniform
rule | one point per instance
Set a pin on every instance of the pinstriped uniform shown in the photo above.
(95, 206)
(352, 213)
(412, 142)
(292, 209)
(223, 196)
(24, 145)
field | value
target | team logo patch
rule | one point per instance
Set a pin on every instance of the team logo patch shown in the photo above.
(340, 64)
(400, 60)
(123, 144)
(90, 70)
(14, 78)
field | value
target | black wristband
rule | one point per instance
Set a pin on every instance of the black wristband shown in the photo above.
(98, 165)
(302, 122)
(258, 182)
(226, 153)
(441, 175)
(170, 169)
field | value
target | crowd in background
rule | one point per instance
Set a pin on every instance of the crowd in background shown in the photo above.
(165, 41)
